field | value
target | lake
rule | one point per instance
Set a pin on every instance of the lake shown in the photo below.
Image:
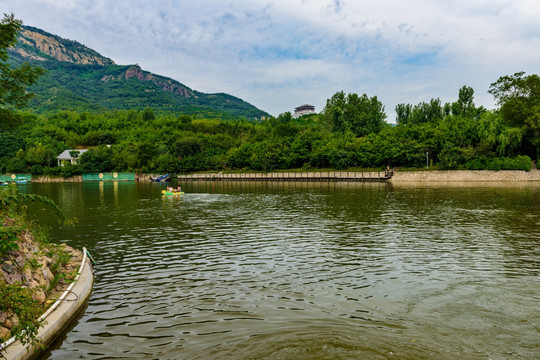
(238, 270)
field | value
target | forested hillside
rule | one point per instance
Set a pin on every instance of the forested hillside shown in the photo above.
(78, 78)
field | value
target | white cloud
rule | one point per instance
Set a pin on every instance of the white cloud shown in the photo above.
(278, 54)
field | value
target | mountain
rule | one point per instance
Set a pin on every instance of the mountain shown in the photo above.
(79, 78)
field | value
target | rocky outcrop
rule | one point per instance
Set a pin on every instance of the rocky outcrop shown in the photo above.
(48, 45)
(136, 72)
(39, 268)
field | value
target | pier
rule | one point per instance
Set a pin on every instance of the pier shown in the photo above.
(353, 176)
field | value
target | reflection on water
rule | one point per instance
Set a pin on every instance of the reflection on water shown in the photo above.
(305, 271)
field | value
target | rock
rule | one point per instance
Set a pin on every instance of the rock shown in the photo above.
(47, 274)
(10, 323)
(44, 262)
(39, 296)
(8, 268)
(33, 284)
(4, 333)
(3, 274)
(18, 259)
(3, 316)
(14, 319)
(27, 274)
(13, 278)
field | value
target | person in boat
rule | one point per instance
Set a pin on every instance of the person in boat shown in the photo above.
(179, 188)
(169, 189)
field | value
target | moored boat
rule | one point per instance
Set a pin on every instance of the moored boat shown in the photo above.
(160, 178)
(57, 316)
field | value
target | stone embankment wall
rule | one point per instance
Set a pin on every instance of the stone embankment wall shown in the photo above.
(48, 179)
(29, 267)
(78, 178)
(465, 176)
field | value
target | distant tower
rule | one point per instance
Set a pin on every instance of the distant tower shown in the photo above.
(303, 110)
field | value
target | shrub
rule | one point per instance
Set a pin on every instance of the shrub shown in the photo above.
(36, 169)
(8, 239)
(69, 170)
(450, 158)
(18, 300)
(521, 162)
(52, 171)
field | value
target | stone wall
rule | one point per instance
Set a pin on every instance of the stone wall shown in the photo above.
(48, 179)
(29, 267)
(465, 176)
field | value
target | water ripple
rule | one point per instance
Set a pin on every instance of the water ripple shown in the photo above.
(304, 272)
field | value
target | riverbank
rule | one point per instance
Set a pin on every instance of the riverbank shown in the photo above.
(465, 176)
(36, 276)
(64, 302)
(47, 270)
(398, 176)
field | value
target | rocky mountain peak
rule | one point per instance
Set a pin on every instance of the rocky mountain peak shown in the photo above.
(39, 45)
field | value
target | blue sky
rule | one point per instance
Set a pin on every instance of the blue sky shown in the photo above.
(284, 53)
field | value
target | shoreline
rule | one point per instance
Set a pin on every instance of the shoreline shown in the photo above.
(438, 176)
(472, 176)
(58, 315)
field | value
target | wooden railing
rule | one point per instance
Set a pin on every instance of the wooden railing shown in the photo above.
(293, 176)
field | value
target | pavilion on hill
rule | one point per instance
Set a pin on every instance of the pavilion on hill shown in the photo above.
(303, 110)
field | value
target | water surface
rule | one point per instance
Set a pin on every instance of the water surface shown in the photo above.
(304, 271)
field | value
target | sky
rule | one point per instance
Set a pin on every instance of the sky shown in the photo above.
(281, 54)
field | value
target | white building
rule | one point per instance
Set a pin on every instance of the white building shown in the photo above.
(303, 110)
(66, 156)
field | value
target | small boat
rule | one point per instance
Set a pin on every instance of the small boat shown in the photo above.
(21, 180)
(172, 193)
(58, 316)
(3, 183)
(160, 178)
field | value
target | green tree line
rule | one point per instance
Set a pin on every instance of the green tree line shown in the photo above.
(349, 133)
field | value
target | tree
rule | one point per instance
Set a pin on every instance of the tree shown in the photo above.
(464, 106)
(422, 113)
(430, 112)
(9, 145)
(519, 99)
(360, 114)
(97, 160)
(403, 113)
(333, 112)
(365, 115)
(14, 81)
(148, 114)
